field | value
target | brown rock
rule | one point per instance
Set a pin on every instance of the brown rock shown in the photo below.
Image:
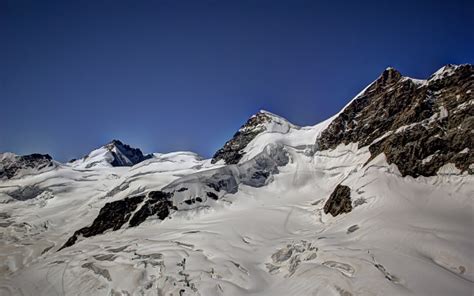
(425, 125)
(339, 202)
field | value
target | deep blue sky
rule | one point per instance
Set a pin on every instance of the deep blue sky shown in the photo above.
(184, 75)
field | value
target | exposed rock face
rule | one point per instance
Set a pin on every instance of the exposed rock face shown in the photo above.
(419, 125)
(232, 151)
(115, 214)
(124, 155)
(339, 202)
(12, 165)
(212, 195)
(158, 203)
(111, 217)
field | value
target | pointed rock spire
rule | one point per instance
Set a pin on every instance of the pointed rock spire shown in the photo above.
(389, 76)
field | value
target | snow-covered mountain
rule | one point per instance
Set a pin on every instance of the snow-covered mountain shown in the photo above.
(16, 166)
(113, 154)
(376, 200)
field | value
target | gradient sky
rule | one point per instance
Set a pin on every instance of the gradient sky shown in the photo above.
(184, 75)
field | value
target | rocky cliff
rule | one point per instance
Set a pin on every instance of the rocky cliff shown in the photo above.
(420, 125)
(232, 151)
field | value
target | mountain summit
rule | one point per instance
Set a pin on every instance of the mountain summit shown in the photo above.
(419, 125)
(114, 154)
(263, 121)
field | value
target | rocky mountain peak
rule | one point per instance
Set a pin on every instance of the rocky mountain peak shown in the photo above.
(12, 165)
(389, 76)
(124, 155)
(419, 127)
(233, 150)
(445, 71)
(117, 144)
(114, 143)
(257, 122)
(114, 153)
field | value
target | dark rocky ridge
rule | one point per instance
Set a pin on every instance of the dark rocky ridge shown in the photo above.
(11, 166)
(232, 151)
(133, 155)
(339, 202)
(115, 214)
(425, 125)
(112, 216)
(158, 203)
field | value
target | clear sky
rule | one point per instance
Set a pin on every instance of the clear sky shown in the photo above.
(184, 75)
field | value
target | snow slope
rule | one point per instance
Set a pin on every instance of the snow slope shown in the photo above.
(274, 240)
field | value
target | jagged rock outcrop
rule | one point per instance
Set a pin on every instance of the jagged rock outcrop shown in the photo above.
(159, 203)
(111, 217)
(13, 165)
(339, 202)
(419, 125)
(115, 214)
(232, 151)
(124, 155)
